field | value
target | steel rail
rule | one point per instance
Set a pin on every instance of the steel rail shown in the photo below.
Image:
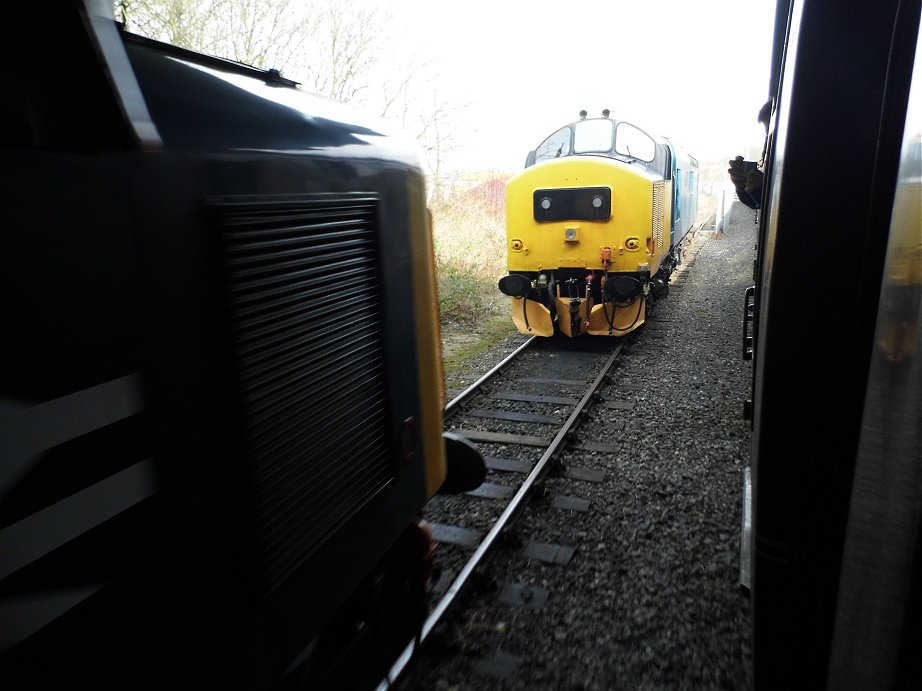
(518, 502)
(455, 404)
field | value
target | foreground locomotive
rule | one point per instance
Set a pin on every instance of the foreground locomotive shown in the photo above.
(595, 226)
(219, 420)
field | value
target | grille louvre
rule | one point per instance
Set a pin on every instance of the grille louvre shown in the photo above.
(307, 330)
(659, 197)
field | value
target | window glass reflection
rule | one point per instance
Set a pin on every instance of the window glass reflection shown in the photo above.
(592, 137)
(555, 146)
(634, 142)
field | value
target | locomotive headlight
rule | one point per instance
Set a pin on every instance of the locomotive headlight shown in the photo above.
(545, 203)
(597, 202)
(571, 234)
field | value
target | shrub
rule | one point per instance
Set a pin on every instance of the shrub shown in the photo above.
(470, 250)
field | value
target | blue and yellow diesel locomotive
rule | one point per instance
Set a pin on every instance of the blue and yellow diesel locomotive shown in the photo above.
(595, 226)
(221, 390)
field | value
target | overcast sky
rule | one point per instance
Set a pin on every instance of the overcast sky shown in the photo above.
(693, 70)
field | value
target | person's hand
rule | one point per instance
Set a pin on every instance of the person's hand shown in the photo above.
(745, 174)
(753, 180)
(737, 171)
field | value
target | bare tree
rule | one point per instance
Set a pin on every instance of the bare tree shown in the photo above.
(263, 33)
(343, 52)
(411, 95)
(179, 22)
(329, 46)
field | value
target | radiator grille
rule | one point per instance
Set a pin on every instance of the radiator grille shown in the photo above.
(659, 196)
(307, 332)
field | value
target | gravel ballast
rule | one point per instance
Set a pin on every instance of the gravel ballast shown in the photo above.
(652, 597)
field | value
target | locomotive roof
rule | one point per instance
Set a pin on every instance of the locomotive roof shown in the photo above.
(608, 137)
(203, 102)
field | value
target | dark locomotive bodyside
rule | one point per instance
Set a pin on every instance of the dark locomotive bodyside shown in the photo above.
(220, 379)
(836, 573)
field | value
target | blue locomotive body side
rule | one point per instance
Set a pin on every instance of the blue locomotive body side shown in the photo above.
(685, 207)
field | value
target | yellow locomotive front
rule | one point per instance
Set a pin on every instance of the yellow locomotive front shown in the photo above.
(589, 227)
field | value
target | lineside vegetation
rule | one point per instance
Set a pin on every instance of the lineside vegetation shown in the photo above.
(470, 249)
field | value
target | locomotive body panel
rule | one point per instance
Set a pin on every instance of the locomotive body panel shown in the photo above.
(223, 366)
(639, 217)
(834, 550)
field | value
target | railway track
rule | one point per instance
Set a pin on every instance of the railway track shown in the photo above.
(522, 415)
(525, 417)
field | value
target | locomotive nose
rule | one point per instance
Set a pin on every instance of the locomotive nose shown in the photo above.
(514, 285)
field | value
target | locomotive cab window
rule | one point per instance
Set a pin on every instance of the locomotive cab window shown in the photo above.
(634, 142)
(592, 137)
(555, 146)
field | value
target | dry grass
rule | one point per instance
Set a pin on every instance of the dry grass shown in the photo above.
(469, 232)
(470, 253)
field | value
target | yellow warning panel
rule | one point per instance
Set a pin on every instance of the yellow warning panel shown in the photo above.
(532, 318)
(610, 319)
(565, 319)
